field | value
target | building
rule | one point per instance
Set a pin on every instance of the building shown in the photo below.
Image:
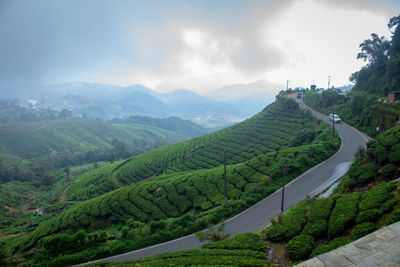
(394, 95)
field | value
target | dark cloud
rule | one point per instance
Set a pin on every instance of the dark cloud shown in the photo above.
(54, 40)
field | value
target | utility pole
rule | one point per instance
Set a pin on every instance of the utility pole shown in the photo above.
(329, 81)
(287, 85)
(225, 192)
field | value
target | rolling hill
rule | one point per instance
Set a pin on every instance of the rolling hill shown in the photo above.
(178, 189)
(32, 141)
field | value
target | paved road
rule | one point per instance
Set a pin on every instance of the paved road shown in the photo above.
(258, 216)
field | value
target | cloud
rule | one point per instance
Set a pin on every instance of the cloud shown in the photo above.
(194, 44)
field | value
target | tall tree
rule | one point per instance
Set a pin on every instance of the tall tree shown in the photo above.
(374, 50)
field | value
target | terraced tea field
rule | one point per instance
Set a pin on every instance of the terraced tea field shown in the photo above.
(183, 195)
(273, 128)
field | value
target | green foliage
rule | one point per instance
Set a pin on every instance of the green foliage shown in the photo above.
(300, 247)
(292, 224)
(388, 170)
(375, 197)
(174, 124)
(316, 228)
(334, 244)
(185, 192)
(395, 217)
(343, 215)
(362, 229)
(368, 215)
(321, 209)
(250, 241)
(200, 257)
(68, 142)
(274, 127)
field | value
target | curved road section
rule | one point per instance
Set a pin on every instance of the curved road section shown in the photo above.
(258, 216)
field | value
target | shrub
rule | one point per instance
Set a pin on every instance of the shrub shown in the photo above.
(367, 174)
(300, 247)
(124, 232)
(343, 214)
(379, 153)
(362, 229)
(388, 170)
(276, 232)
(375, 197)
(292, 224)
(265, 180)
(316, 228)
(368, 215)
(394, 218)
(321, 209)
(394, 156)
(388, 205)
(334, 244)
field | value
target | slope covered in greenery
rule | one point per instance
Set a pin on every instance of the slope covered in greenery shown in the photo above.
(22, 141)
(241, 250)
(182, 201)
(278, 125)
(174, 124)
(364, 201)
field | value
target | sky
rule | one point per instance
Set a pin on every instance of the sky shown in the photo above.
(196, 45)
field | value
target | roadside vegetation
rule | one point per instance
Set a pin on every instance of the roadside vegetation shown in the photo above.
(365, 200)
(366, 106)
(183, 197)
(241, 250)
(367, 197)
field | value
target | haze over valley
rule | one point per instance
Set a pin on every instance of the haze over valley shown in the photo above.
(199, 133)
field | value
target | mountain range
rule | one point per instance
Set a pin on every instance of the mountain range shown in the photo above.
(101, 101)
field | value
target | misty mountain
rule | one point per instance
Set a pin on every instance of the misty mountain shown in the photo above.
(107, 102)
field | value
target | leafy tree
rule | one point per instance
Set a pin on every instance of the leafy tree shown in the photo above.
(374, 50)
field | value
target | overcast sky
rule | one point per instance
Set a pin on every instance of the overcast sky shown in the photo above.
(197, 45)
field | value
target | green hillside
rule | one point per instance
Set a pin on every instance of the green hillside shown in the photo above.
(30, 141)
(365, 200)
(241, 250)
(173, 124)
(185, 191)
(277, 126)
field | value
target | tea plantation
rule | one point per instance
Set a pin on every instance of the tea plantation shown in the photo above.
(184, 196)
(241, 250)
(364, 201)
(278, 125)
(31, 141)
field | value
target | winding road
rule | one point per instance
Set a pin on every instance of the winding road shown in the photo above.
(258, 216)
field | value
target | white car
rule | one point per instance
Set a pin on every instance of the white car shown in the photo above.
(335, 118)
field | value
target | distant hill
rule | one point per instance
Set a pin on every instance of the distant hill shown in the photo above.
(32, 141)
(174, 124)
(108, 102)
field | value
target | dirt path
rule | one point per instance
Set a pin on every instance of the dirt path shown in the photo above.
(63, 195)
